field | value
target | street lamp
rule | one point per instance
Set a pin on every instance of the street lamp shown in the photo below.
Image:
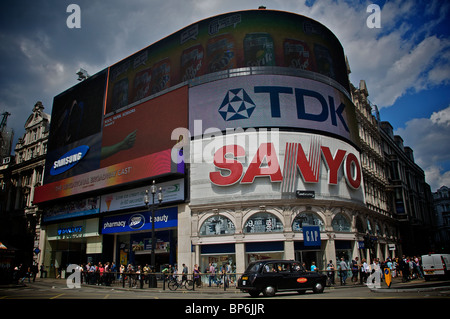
(153, 206)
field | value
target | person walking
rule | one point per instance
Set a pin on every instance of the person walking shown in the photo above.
(212, 274)
(355, 270)
(343, 268)
(330, 272)
(184, 273)
(197, 279)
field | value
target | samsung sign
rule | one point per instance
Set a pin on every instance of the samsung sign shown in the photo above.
(164, 218)
(271, 101)
(69, 160)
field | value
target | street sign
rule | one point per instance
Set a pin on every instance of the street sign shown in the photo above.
(311, 236)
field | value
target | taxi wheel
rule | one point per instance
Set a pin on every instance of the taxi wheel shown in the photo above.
(269, 291)
(318, 288)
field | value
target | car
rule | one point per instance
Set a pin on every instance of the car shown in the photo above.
(272, 276)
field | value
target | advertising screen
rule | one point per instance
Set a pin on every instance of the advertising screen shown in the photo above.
(75, 131)
(145, 128)
(131, 145)
(275, 101)
(227, 41)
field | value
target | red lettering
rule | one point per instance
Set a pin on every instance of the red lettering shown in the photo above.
(265, 150)
(265, 163)
(333, 164)
(309, 169)
(351, 167)
(232, 165)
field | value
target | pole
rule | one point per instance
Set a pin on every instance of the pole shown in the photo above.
(153, 233)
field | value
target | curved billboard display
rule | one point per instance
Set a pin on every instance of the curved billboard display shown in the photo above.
(272, 165)
(279, 101)
(224, 42)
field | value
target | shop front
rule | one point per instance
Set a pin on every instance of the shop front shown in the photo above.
(73, 242)
(131, 237)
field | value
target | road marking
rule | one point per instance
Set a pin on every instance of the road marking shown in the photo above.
(106, 296)
(57, 296)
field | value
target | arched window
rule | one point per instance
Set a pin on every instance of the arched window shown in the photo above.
(341, 223)
(217, 225)
(263, 223)
(307, 219)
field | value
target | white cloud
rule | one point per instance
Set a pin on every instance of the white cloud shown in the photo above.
(429, 139)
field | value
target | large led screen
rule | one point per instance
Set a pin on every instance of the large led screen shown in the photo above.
(228, 41)
(75, 130)
(134, 144)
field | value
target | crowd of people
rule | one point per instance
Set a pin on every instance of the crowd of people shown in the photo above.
(406, 267)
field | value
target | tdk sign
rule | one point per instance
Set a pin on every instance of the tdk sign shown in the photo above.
(301, 95)
(273, 101)
(69, 160)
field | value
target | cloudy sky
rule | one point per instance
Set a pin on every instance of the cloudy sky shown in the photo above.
(406, 62)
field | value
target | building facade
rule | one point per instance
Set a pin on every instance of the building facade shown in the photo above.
(409, 196)
(21, 176)
(441, 200)
(249, 126)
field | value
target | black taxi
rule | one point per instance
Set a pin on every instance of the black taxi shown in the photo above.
(272, 276)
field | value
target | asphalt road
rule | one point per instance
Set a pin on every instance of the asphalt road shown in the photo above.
(215, 303)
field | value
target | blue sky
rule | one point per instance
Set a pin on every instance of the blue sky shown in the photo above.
(405, 63)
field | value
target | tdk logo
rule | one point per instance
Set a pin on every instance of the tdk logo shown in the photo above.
(237, 104)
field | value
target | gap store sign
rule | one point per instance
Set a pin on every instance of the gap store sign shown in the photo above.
(164, 218)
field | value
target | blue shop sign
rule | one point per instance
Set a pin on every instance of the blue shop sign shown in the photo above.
(311, 235)
(164, 218)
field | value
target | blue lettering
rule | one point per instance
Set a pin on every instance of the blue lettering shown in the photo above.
(301, 110)
(302, 113)
(338, 112)
(274, 92)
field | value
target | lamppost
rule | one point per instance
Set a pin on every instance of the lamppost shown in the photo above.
(153, 207)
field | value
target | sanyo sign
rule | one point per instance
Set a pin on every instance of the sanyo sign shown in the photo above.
(228, 161)
(261, 166)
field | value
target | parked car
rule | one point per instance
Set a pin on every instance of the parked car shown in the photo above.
(436, 265)
(272, 276)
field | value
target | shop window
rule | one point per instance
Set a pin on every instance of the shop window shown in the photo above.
(341, 223)
(263, 223)
(369, 227)
(307, 219)
(217, 225)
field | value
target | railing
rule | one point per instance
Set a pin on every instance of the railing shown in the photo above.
(157, 280)
(161, 281)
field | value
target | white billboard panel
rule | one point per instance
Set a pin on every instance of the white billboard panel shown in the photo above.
(271, 101)
(249, 166)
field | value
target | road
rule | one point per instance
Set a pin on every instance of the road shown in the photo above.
(56, 292)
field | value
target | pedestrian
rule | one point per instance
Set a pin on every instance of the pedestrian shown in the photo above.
(184, 273)
(212, 274)
(364, 271)
(330, 272)
(343, 268)
(355, 270)
(197, 279)
(313, 266)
